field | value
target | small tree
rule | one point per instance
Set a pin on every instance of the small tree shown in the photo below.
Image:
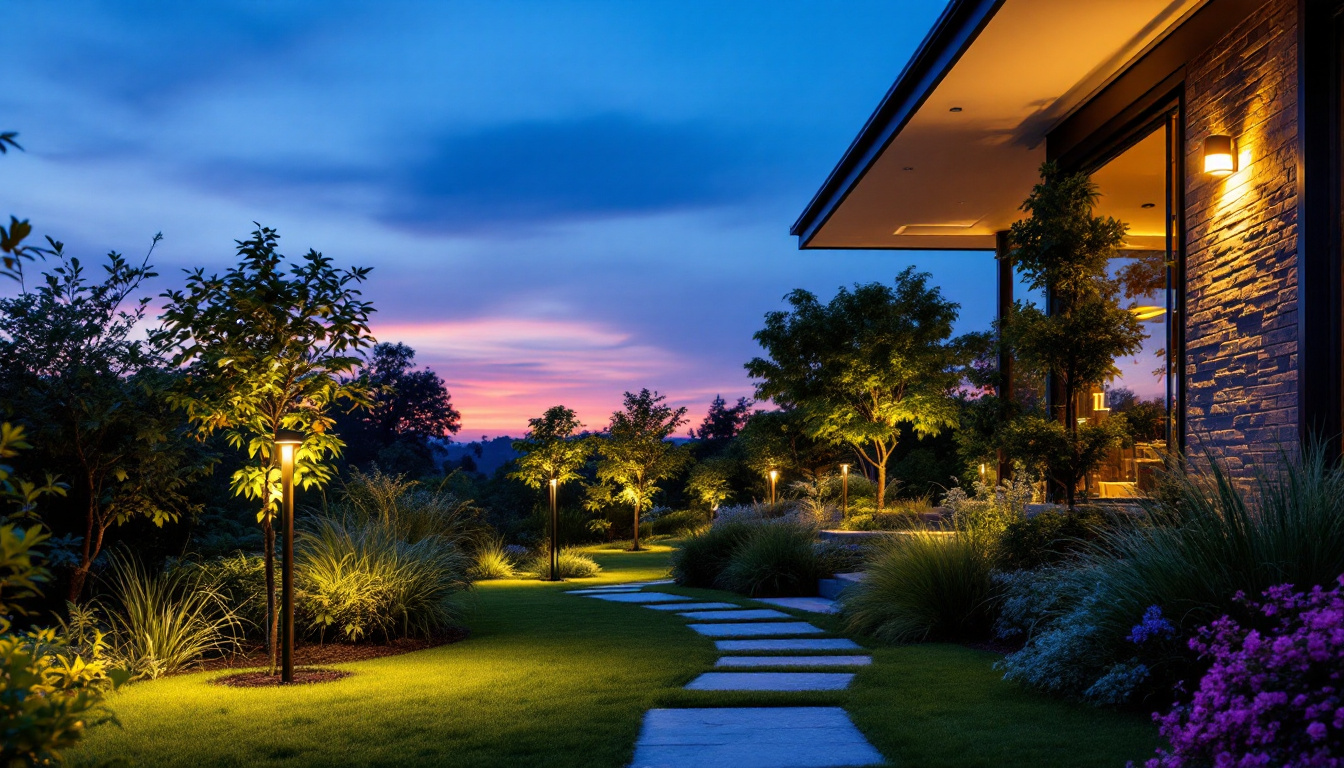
(96, 401)
(636, 454)
(1065, 251)
(861, 366)
(709, 482)
(270, 346)
(551, 452)
(409, 409)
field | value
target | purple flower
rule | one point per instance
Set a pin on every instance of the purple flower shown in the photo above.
(1153, 625)
(1268, 693)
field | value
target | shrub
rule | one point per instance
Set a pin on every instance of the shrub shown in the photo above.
(702, 557)
(492, 561)
(164, 623)
(924, 586)
(777, 558)
(1270, 697)
(240, 580)
(992, 509)
(570, 564)
(679, 522)
(840, 557)
(1047, 538)
(363, 579)
(892, 520)
(408, 508)
(1205, 540)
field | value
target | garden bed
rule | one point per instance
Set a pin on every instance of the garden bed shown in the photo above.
(334, 653)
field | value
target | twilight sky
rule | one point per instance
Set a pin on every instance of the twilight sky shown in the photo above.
(560, 200)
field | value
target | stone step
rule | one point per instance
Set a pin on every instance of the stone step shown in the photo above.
(793, 644)
(831, 588)
(809, 604)
(771, 681)
(757, 629)
(738, 615)
(794, 661)
(693, 606)
(752, 737)
(640, 597)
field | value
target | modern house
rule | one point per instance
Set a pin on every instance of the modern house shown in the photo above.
(1211, 127)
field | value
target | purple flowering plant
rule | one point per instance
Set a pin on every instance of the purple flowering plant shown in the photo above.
(1271, 696)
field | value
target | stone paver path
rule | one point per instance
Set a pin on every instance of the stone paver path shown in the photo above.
(771, 681)
(757, 629)
(752, 737)
(693, 606)
(808, 604)
(799, 644)
(739, 615)
(639, 597)
(794, 661)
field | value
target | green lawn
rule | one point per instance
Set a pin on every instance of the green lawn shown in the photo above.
(549, 679)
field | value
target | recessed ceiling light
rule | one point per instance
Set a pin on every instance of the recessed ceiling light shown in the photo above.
(1148, 205)
(954, 109)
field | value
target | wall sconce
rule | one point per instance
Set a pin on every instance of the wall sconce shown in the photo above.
(1220, 155)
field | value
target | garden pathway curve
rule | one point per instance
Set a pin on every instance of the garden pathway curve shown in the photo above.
(761, 652)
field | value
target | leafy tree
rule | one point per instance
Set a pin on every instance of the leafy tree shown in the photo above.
(95, 400)
(782, 440)
(871, 360)
(1064, 251)
(724, 422)
(270, 346)
(636, 454)
(409, 408)
(551, 452)
(709, 482)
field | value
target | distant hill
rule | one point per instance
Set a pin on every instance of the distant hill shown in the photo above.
(489, 455)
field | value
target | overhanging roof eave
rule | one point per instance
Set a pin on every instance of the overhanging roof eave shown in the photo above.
(957, 27)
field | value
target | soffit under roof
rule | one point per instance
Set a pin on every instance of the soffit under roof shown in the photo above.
(952, 179)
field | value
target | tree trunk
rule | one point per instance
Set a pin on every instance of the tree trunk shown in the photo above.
(882, 485)
(86, 555)
(635, 547)
(1071, 419)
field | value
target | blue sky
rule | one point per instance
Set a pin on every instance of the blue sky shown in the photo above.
(560, 200)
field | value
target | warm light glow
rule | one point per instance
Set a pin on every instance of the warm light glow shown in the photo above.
(287, 452)
(1148, 312)
(552, 483)
(1220, 155)
(1099, 401)
(844, 469)
(773, 475)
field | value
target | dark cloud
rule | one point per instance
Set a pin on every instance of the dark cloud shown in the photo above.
(533, 173)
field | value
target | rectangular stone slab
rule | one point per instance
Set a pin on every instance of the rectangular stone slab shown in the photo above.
(640, 597)
(621, 591)
(771, 681)
(746, 613)
(693, 607)
(752, 737)
(636, 584)
(794, 661)
(756, 629)
(795, 644)
(809, 604)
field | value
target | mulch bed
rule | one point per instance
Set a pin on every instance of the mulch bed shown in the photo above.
(262, 679)
(333, 653)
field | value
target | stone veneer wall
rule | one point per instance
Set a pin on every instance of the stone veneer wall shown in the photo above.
(1241, 243)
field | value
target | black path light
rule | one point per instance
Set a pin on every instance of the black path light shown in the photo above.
(555, 533)
(288, 442)
(844, 490)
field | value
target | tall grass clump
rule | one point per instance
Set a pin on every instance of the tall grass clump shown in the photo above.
(571, 563)
(360, 580)
(702, 557)
(492, 561)
(166, 622)
(408, 508)
(1205, 539)
(924, 586)
(778, 558)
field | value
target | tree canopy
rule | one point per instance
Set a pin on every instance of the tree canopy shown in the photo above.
(408, 409)
(636, 453)
(862, 365)
(552, 449)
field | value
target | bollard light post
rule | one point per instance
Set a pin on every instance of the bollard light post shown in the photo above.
(774, 476)
(844, 490)
(288, 441)
(555, 534)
